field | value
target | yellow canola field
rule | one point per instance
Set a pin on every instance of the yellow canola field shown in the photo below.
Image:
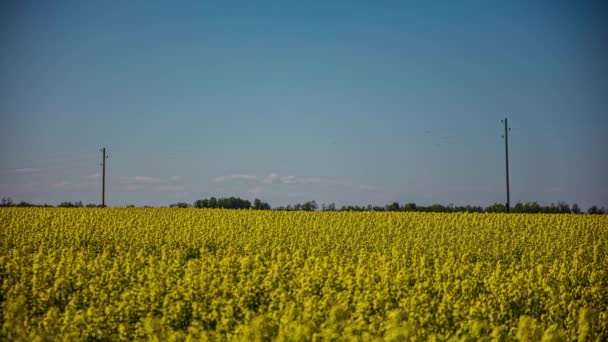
(210, 274)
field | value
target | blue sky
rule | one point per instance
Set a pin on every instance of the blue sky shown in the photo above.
(345, 102)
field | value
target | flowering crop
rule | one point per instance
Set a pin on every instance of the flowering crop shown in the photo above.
(199, 274)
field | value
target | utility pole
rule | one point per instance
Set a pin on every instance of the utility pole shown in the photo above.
(506, 137)
(103, 177)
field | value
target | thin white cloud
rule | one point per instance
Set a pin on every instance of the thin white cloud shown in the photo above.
(93, 176)
(288, 179)
(26, 170)
(136, 183)
(146, 180)
(469, 188)
(323, 181)
(169, 188)
(269, 179)
(69, 184)
(178, 195)
(258, 189)
(264, 183)
(61, 184)
(227, 178)
(326, 181)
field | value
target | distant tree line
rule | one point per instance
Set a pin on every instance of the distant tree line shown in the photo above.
(307, 206)
(239, 203)
(231, 203)
(225, 203)
(8, 202)
(530, 208)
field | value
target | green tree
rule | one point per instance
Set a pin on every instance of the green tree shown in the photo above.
(260, 205)
(393, 206)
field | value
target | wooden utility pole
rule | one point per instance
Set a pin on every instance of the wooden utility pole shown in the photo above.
(506, 137)
(103, 177)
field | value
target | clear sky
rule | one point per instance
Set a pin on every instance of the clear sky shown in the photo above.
(349, 102)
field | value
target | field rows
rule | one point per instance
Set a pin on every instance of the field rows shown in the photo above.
(207, 274)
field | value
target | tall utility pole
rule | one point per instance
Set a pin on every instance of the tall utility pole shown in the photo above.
(103, 177)
(506, 137)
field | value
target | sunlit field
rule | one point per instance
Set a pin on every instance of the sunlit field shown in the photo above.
(197, 274)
